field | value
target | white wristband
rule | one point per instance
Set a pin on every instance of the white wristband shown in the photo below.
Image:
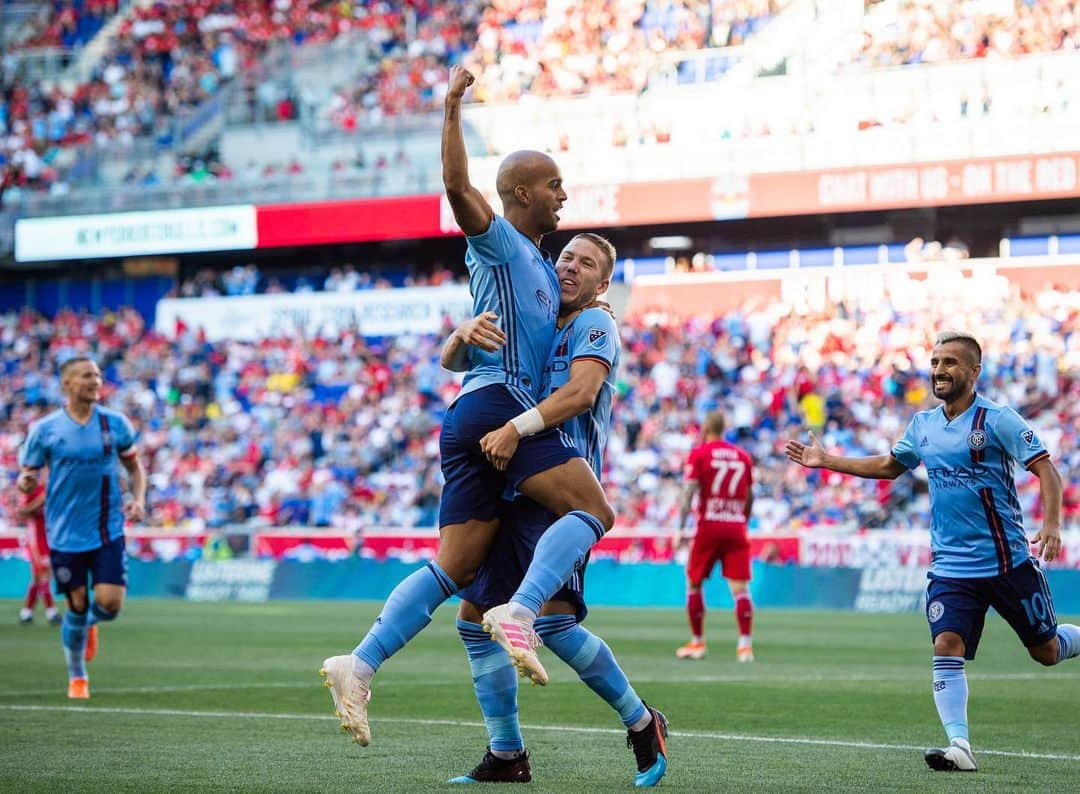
(528, 423)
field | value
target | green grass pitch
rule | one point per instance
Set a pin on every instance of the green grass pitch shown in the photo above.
(227, 697)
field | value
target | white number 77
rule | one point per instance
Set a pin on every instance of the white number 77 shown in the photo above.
(737, 469)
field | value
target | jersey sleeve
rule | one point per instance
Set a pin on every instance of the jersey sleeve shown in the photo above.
(125, 435)
(1018, 439)
(905, 450)
(494, 247)
(33, 454)
(595, 337)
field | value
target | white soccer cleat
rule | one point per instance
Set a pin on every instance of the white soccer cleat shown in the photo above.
(350, 694)
(954, 758)
(518, 640)
(692, 650)
(744, 654)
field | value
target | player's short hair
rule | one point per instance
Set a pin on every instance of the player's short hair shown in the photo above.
(964, 338)
(70, 362)
(715, 423)
(605, 245)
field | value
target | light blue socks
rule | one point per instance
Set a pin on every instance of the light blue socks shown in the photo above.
(560, 549)
(73, 635)
(405, 613)
(591, 658)
(951, 695)
(1068, 641)
(496, 683)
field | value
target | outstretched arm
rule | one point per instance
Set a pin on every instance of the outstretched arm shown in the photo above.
(1049, 537)
(480, 331)
(471, 210)
(577, 396)
(814, 456)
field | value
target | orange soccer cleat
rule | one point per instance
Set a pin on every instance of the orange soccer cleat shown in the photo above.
(692, 650)
(91, 643)
(79, 689)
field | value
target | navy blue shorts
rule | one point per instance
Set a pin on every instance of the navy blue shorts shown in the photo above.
(1021, 596)
(522, 523)
(104, 565)
(473, 488)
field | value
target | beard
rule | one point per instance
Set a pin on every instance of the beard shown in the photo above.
(948, 390)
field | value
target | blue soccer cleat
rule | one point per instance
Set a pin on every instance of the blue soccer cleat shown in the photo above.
(650, 749)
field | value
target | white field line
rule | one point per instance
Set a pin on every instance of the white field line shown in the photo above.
(745, 678)
(709, 735)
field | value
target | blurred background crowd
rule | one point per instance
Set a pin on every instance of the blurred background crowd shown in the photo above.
(343, 432)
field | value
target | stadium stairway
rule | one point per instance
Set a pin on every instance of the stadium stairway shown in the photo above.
(82, 66)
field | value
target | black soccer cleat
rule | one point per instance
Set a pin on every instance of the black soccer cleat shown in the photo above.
(493, 769)
(953, 758)
(650, 749)
(26, 621)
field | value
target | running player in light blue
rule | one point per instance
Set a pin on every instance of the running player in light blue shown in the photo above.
(981, 556)
(581, 378)
(82, 445)
(510, 275)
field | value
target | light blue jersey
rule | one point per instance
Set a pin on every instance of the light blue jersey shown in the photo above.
(591, 335)
(976, 525)
(510, 276)
(82, 500)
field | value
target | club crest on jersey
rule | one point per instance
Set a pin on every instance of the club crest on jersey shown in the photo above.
(596, 338)
(935, 611)
(977, 439)
(63, 575)
(1029, 438)
(543, 299)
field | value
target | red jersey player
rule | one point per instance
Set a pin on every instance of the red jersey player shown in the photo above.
(721, 475)
(37, 550)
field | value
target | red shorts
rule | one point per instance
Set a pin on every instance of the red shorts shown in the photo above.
(731, 551)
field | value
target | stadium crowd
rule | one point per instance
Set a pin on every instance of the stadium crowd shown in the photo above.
(166, 58)
(68, 24)
(343, 432)
(924, 31)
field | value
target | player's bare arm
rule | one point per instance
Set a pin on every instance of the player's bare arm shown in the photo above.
(28, 479)
(31, 507)
(577, 396)
(1048, 539)
(686, 505)
(471, 210)
(814, 456)
(480, 331)
(135, 510)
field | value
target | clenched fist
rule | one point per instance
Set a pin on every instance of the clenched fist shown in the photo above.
(460, 79)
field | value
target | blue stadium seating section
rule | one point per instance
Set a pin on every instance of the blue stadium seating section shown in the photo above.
(1046, 245)
(95, 295)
